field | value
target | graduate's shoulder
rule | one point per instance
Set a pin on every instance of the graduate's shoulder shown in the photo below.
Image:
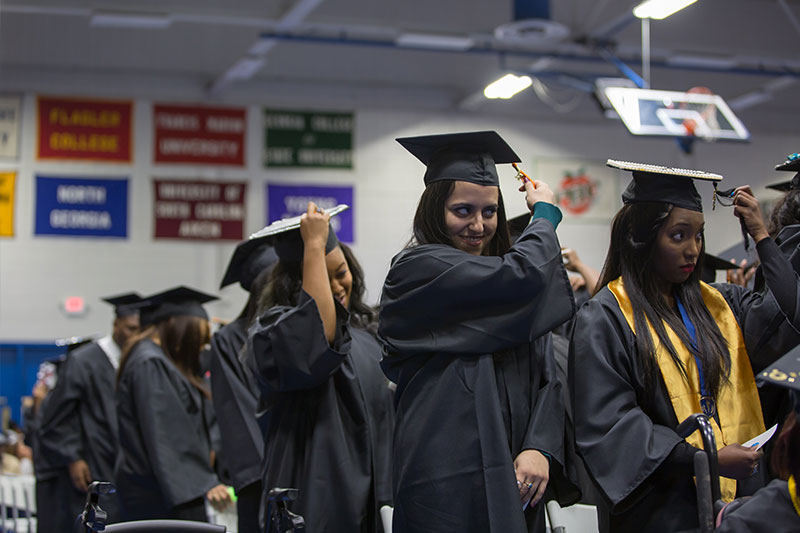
(145, 354)
(231, 336)
(598, 312)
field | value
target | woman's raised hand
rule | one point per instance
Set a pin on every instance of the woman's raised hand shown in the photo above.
(314, 227)
(537, 191)
(749, 212)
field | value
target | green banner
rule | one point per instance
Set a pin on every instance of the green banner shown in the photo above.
(308, 139)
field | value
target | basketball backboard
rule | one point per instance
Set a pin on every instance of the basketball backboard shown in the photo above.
(676, 114)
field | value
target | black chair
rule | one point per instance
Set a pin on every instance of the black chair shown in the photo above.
(706, 470)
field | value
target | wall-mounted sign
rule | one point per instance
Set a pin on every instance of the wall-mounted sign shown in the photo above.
(7, 180)
(81, 206)
(199, 210)
(286, 201)
(88, 130)
(10, 107)
(308, 139)
(585, 190)
(199, 135)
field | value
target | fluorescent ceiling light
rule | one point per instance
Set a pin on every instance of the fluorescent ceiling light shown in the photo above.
(660, 9)
(119, 19)
(507, 86)
(434, 42)
(245, 68)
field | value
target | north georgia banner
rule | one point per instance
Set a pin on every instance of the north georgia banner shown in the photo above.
(87, 207)
(87, 130)
(7, 180)
(199, 210)
(199, 135)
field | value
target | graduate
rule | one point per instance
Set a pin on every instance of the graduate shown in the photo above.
(655, 345)
(164, 467)
(325, 405)
(234, 390)
(776, 507)
(480, 419)
(78, 428)
(54, 489)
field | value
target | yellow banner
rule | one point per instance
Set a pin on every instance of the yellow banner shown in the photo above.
(7, 203)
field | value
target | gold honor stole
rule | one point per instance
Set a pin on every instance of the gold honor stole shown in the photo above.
(738, 405)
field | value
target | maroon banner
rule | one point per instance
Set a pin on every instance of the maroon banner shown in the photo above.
(199, 135)
(89, 130)
(199, 210)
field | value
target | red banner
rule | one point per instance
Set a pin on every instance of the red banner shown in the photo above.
(199, 210)
(89, 130)
(205, 135)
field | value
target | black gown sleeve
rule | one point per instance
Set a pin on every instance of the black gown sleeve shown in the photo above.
(438, 299)
(770, 320)
(621, 445)
(179, 465)
(288, 350)
(60, 427)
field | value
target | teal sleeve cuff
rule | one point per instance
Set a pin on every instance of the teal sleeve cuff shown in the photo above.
(548, 211)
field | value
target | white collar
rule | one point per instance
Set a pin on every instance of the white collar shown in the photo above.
(111, 349)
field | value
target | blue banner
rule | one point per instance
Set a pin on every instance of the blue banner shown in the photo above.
(81, 206)
(284, 201)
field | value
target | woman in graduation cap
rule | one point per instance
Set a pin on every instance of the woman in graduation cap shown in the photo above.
(325, 406)
(655, 345)
(164, 468)
(480, 420)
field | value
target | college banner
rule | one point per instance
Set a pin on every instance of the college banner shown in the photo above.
(10, 107)
(284, 201)
(308, 139)
(199, 135)
(585, 190)
(199, 210)
(81, 206)
(87, 130)
(7, 180)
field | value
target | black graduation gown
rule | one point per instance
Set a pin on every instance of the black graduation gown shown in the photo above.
(79, 421)
(769, 510)
(52, 484)
(474, 385)
(234, 392)
(775, 401)
(626, 436)
(328, 417)
(164, 442)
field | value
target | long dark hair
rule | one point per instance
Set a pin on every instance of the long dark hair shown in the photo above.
(429, 221)
(785, 213)
(286, 281)
(363, 315)
(250, 310)
(630, 255)
(785, 460)
(181, 339)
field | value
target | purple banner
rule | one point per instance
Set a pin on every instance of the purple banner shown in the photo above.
(284, 201)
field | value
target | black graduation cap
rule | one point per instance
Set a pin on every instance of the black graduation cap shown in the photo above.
(250, 259)
(785, 372)
(467, 156)
(654, 183)
(712, 263)
(285, 236)
(71, 343)
(179, 301)
(792, 164)
(125, 304)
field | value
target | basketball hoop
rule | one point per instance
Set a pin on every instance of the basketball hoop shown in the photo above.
(705, 121)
